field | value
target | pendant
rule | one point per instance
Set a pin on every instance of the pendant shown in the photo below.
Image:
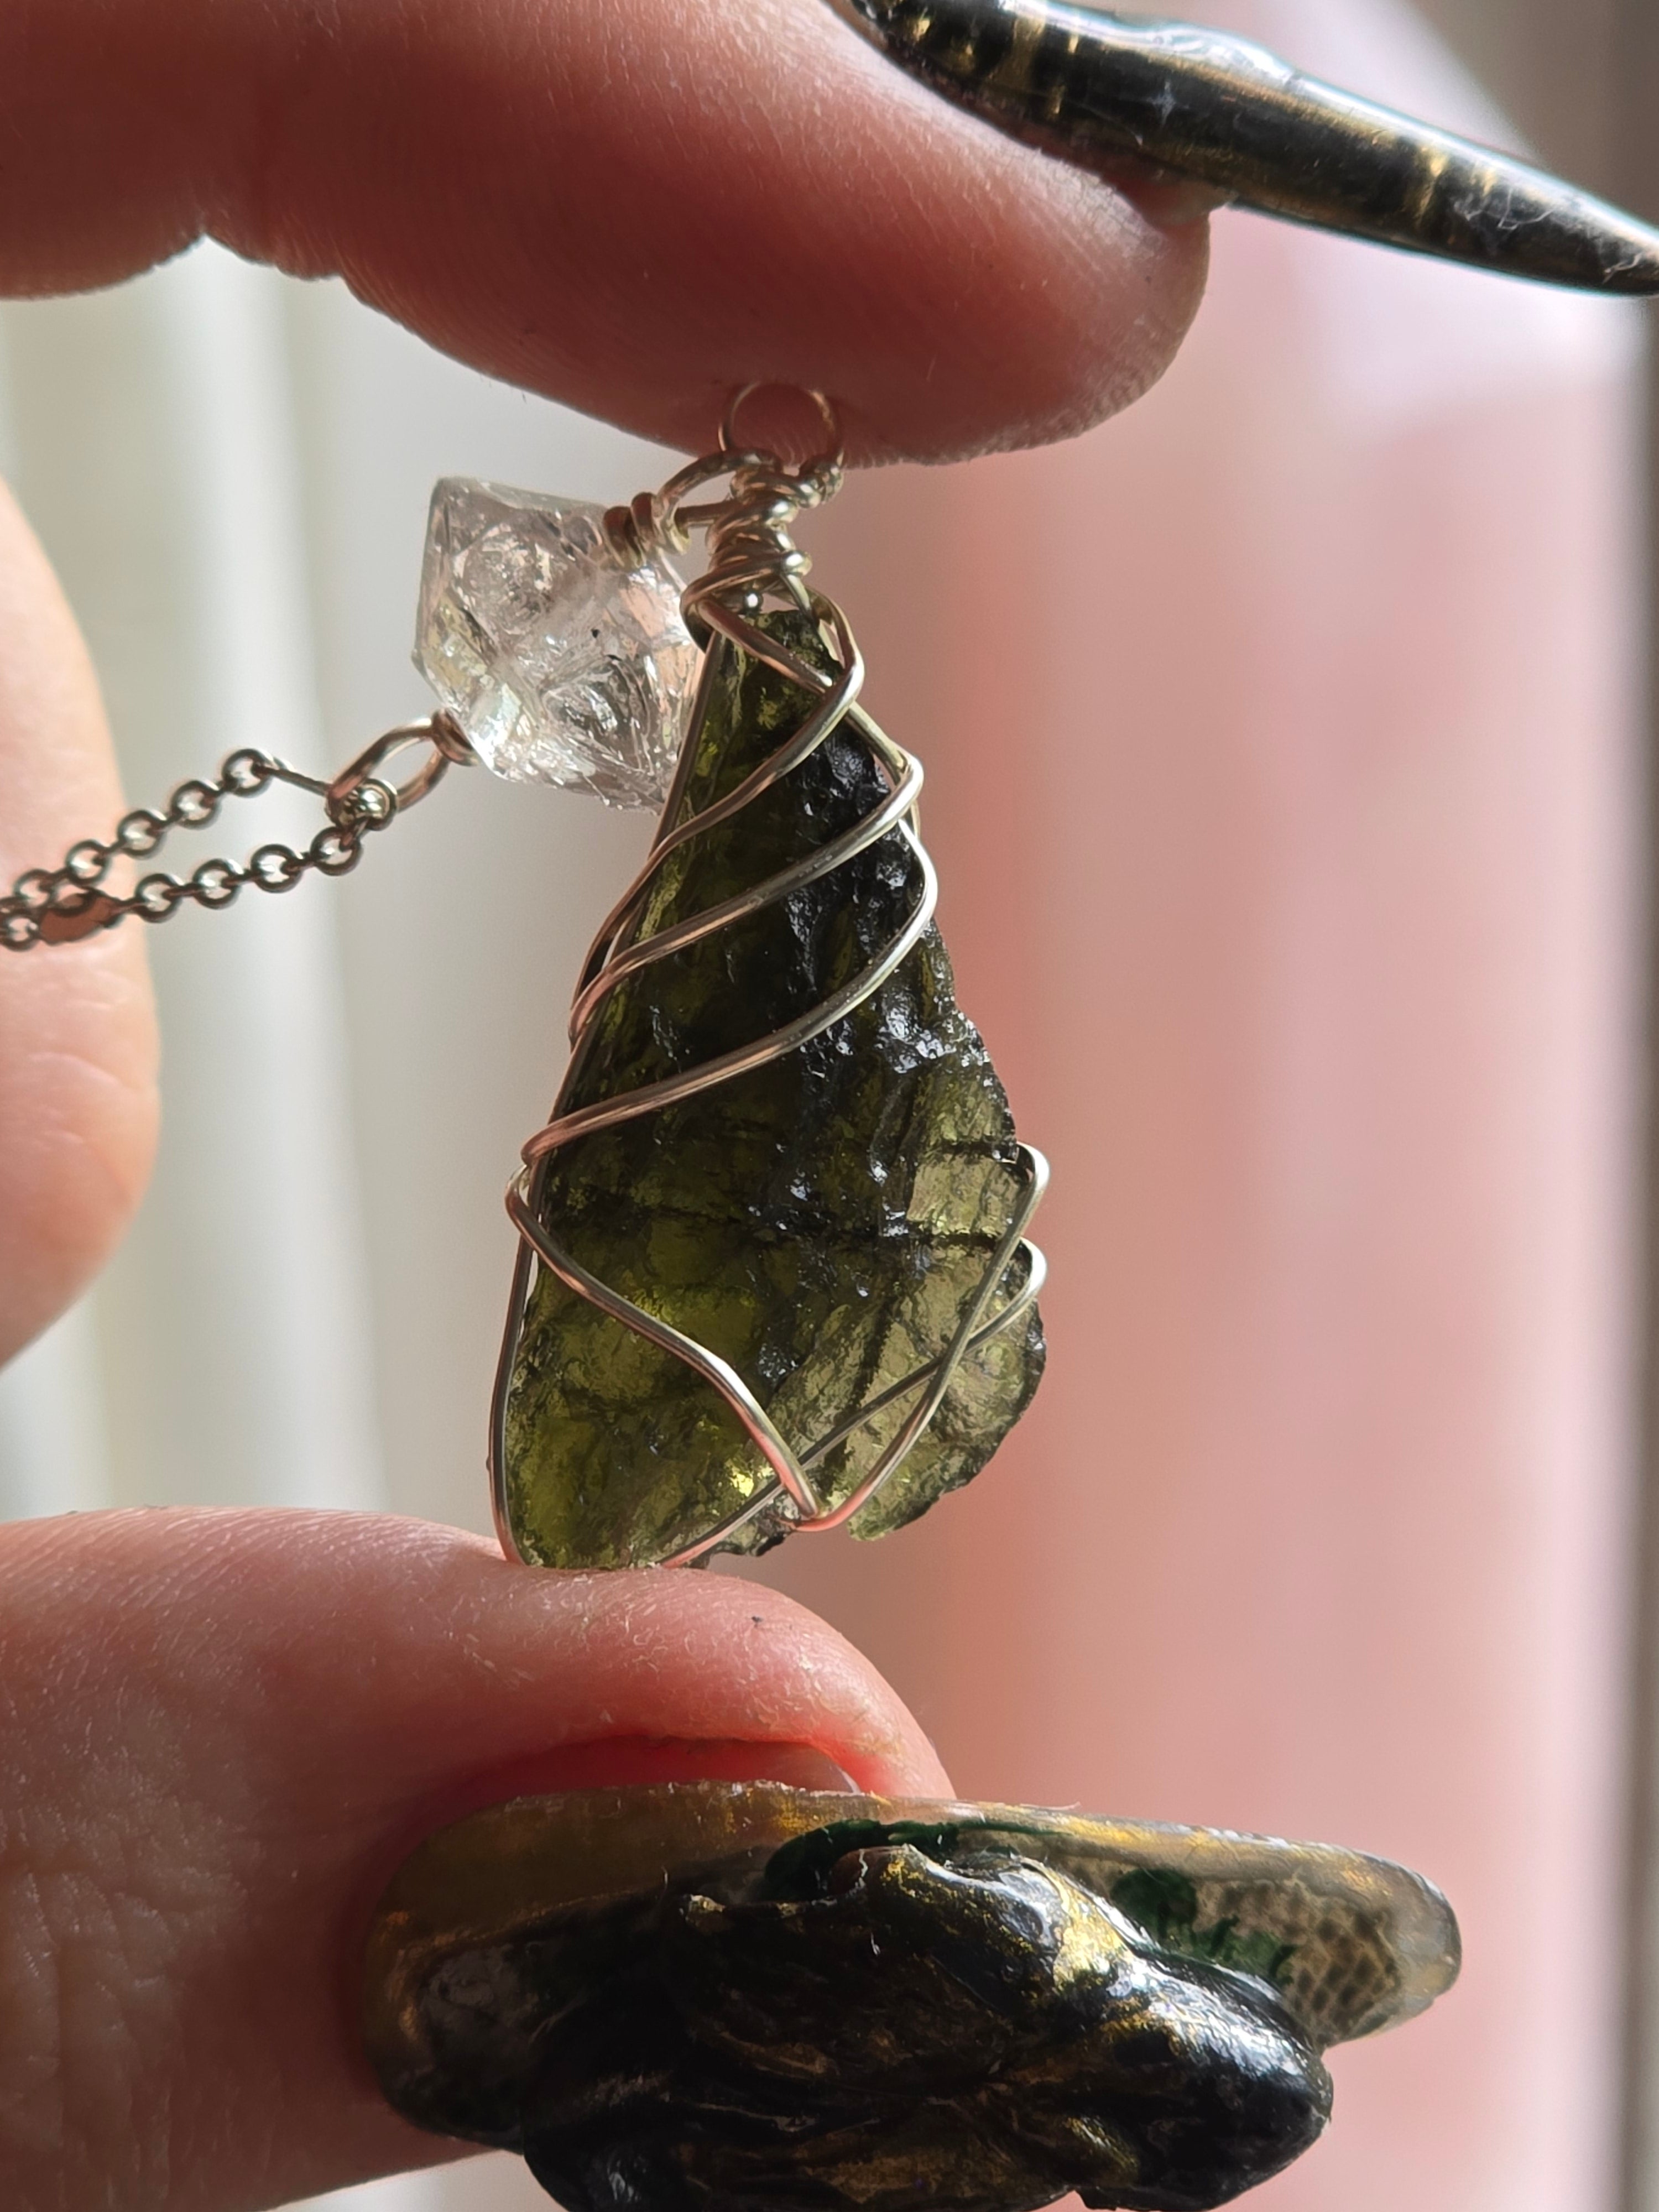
(718, 1994)
(774, 1274)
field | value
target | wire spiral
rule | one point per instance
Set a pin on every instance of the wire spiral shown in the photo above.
(751, 559)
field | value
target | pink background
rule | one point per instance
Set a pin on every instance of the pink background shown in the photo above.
(1283, 788)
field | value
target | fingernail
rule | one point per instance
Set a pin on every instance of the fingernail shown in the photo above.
(1101, 90)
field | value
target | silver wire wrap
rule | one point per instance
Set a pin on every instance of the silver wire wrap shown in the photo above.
(752, 558)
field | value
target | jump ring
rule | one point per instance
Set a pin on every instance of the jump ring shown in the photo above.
(833, 454)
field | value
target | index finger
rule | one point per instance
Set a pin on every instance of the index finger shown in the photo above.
(632, 207)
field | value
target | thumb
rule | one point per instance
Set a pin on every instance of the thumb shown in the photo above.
(224, 1731)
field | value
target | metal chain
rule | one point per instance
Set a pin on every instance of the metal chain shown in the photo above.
(61, 905)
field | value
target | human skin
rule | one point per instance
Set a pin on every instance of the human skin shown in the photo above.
(221, 1731)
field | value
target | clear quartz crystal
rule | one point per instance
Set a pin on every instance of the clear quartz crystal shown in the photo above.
(562, 663)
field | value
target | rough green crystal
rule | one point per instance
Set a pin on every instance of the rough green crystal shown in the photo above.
(821, 1222)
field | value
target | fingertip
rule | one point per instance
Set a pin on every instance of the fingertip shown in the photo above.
(246, 1721)
(576, 1659)
(78, 1107)
(634, 209)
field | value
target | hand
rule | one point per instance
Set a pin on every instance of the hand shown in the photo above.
(221, 1731)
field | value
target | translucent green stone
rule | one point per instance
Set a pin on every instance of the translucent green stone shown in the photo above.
(821, 1223)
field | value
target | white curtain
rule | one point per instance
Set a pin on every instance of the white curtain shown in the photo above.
(231, 471)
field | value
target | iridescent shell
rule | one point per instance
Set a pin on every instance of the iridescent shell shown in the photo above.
(740, 1995)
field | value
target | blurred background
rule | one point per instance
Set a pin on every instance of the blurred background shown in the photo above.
(1288, 782)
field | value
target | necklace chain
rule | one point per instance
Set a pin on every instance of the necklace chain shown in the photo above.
(61, 905)
(750, 547)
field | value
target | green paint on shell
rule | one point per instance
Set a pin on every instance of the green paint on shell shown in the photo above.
(1166, 1905)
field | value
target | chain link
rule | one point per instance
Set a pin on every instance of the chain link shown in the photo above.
(61, 905)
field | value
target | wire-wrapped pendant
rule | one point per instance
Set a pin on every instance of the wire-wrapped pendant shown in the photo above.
(774, 1272)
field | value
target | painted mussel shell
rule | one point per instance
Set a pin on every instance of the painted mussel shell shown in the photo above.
(741, 1995)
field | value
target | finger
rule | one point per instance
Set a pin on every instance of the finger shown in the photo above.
(77, 1039)
(224, 1731)
(633, 208)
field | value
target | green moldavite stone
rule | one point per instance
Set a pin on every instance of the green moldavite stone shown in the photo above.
(821, 1222)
